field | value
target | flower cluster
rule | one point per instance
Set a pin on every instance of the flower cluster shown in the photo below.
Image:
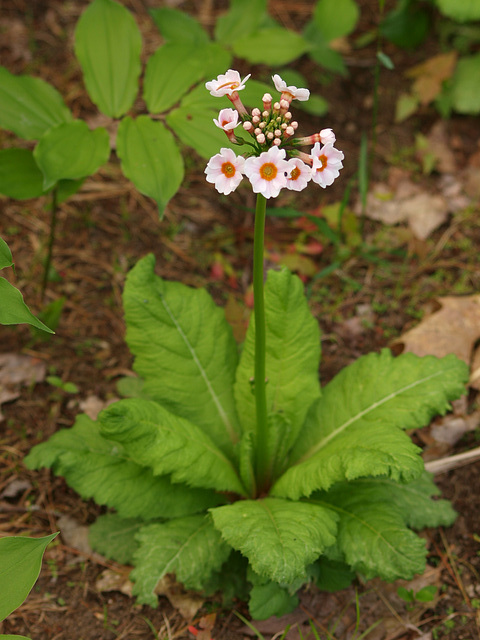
(274, 161)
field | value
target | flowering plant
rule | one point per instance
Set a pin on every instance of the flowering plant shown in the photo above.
(239, 473)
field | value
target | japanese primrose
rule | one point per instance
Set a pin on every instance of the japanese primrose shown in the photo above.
(239, 473)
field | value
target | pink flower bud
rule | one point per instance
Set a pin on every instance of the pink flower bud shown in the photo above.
(256, 112)
(248, 126)
(267, 102)
(260, 138)
(277, 142)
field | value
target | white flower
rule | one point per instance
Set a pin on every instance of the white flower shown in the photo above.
(327, 162)
(298, 174)
(227, 119)
(267, 172)
(226, 84)
(327, 136)
(290, 93)
(225, 171)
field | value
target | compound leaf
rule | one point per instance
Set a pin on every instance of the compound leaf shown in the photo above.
(191, 548)
(279, 538)
(182, 329)
(356, 428)
(154, 437)
(100, 469)
(108, 45)
(150, 158)
(29, 106)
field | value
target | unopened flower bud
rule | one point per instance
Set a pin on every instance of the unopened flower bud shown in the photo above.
(289, 131)
(260, 138)
(248, 126)
(256, 112)
(257, 131)
(294, 124)
(278, 133)
(288, 116)
(277, 142)
(265, 114)
(270, 135)
(283, 126)
(256, 119)
(262, 124)
(267, 102)
(276, 106)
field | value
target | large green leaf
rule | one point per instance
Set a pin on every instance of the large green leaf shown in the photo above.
(171, 71)
(154, 437)
(13, 309)
(196, 129)
(20, 564)
(271, 45)
(114, 537)
(292, 358)
(185, 351)
(150, 158)
(191, 548)
(243, 18)
(29, 106)
(356, 428)
(20, 177)
(372, 534)
(335, 18)
(108, 45)
(100, 469)
(280, 538)
(6, 259)
(460, 10)
(71, 151)
(178, 26)
(465, 83)
(269, 599)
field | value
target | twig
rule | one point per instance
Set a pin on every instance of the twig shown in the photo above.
(453, 462)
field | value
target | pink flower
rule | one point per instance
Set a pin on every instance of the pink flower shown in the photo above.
(227, 120)
(298, 174)
(326, 136)
(225, 171)
(289, 93)
(226, 84)
(327, 162)
(267, 172)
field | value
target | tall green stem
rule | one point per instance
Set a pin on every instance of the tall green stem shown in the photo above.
(51, 239)
(261, 463)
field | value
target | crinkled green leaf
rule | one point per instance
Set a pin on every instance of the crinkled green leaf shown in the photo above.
(13, 309)
(171, 71)
(150, 158)
(108, 45)
(414, 499)
(29, 106)
(335, 18)
(356, 428)
(100, 469)
(271, 45)
(20, 564)
(71, 151)
(372, 534)
(242, 19)
(154, 437)
(178, 26)
(279, 538)
(292, 358)
(270, 599)
(114, 537)
(460, 10)
(6, 259)
(20, 177)
(196, 129)
(184, 350)
(332, 575)
(191, 548)
(465, 82)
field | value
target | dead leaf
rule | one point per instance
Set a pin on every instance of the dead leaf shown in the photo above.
(17, 371)
(110, 580)
(438, 144)
(92, 405)
(187, 603)
(74, 534)
(15, 488)
(453, 329)
(430, 75)
(475, 374)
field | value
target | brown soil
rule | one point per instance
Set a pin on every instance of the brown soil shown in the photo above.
(105, 228)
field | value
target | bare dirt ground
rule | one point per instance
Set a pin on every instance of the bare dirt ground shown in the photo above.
(381, 288)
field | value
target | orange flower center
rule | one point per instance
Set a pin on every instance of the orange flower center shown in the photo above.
(228, 169)
(232, 85)
(324, 160)
(295, 174)
(268, 171)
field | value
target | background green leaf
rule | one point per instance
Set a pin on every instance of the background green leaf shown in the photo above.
(20, 564)
(6, 259)
(243, 18)
(150, 158)
(191, 548)
(108, 45)
(280, 538)
(13, 309)
(335, 18)
(29, 106)
(20, 177)
(114, 537)
(71, 151)
(461, 11)
(181, 328)
(465, 82)
(98, 468)
(154, 437)
(271, 45)
(270, 599)
(196, 129)
(178, 26)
